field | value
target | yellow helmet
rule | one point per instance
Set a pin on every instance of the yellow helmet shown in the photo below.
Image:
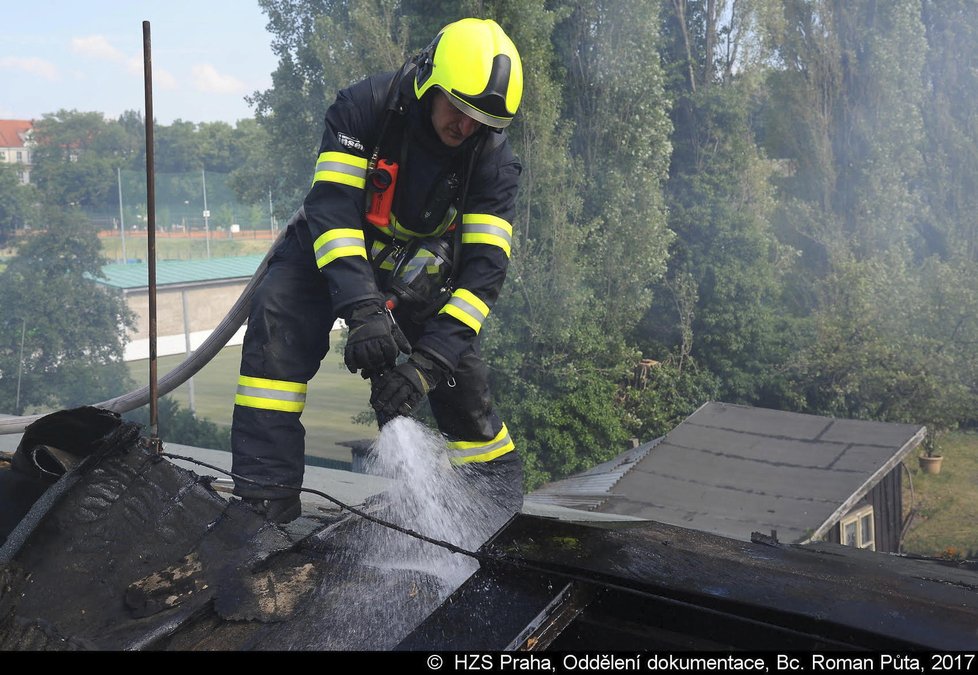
(477, 66)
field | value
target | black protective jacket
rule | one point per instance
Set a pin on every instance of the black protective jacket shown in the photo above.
(342, 239)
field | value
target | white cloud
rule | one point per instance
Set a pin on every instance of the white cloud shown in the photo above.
(163, 79)
(207, 79)
(31, 65)
(96, 46)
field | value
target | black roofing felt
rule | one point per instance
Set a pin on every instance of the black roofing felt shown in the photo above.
(654, 586)
(733, 470)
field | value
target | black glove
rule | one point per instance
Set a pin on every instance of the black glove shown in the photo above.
(399, 390)
(374, 341)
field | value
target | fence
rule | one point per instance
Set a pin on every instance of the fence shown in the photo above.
(188, 204)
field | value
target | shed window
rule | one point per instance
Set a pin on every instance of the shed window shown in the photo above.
(857, 529)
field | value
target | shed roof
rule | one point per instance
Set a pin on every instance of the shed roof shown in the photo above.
(176, 272)
(732, 470)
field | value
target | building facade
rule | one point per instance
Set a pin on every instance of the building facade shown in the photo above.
(16, 146)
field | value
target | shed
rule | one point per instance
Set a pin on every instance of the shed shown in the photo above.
(734, 470)
(193, 296)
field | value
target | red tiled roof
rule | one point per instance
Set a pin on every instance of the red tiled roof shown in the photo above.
(11, 131)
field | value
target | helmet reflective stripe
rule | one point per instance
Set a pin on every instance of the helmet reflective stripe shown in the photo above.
(467, 308)
(464, 452)
(339, 243)
(482, 228)
(476, 64)
(257, 392)
(341, 167)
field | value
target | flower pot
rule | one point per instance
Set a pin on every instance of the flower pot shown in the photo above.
(930, 464)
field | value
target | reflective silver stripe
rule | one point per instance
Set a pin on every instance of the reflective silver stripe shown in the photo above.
(339, 243)
(265, 394)
(260, 392)
(483, 228)
(467, 308)
(463, 452)
(340, 167)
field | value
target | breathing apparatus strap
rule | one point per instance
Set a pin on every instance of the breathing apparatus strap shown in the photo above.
(457, 239)
(394, 106)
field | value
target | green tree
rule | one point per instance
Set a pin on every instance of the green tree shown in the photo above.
(586, 245)
(178, 148)
(252, 180)
(616, 106)
(179, 425)
(951, 147)
(62, 334)
(892, 342)
(322, 46)
(848, 120)
(719, 303)
(16, 202)
(76, 158)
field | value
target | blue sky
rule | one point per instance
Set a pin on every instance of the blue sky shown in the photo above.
(87, 55)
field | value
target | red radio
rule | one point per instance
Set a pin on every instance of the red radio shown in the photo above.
(381, 181)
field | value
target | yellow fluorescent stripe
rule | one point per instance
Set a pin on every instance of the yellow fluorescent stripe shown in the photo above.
(336, 177)
(462, 316)
(343, 158)
(483, 457)
(491, 239)
(338, 233)
(468, 445)
(487, 219)
(281, 385)
(497, 447)
(341, 252)
(472, 299)
(268, 403)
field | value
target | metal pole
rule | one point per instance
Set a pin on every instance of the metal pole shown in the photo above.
(271, 214)
(207, 237)
(186, 338)
(20, 364)
(151, 240)
(122, 220)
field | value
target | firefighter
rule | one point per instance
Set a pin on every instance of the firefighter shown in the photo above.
(406, 235)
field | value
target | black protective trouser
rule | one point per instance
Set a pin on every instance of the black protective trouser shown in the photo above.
(286, 340)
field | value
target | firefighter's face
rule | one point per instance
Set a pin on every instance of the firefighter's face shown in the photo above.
(452, 125)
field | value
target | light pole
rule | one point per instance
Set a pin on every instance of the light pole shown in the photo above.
(207, 214)
(122, 220)
(271, 214)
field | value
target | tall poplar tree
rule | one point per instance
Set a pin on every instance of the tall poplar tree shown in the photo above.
(719, 304)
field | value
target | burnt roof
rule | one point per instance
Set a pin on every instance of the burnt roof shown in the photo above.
(126, 550)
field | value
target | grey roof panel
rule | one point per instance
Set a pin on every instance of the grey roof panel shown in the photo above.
(731, 470)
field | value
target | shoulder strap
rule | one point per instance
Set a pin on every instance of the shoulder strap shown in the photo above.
(394, 105)
(457, 243)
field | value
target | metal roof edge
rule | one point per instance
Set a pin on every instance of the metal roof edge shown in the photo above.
(867, 485)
